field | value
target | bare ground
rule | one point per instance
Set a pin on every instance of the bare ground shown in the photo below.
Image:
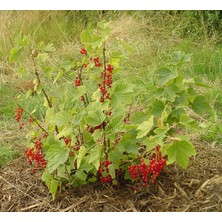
(197, 189)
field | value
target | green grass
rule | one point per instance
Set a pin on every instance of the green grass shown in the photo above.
(7, 154)
(7, 104)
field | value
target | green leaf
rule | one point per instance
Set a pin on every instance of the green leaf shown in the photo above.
(80, 174)
(96, 41)
(145, 127)
(121, 93)
(116, 122)
(157, 108)
(95, 118)
(187, 121)
(46, 48)
(152, 141)
(85, 165)
(176, 113)
(80, 91)
(51, 183)
(62, 118)
(55, 156)
(66, 131)
(200, 105)
(63, 171)
(128, 142)
(181, 57)
(59, 76)
(115, 156)
(139, 117)
(112, 171)
(53, 188)
(67, 65)
(49, 115)
(15, 52)
(48, 71)
(180, 152)
(164, 75)
(81, 155)
(170, 92)
(95, 154)
(85, 37)
(47, 178)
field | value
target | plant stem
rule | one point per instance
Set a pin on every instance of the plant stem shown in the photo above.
(104, 70)
(43, 90)
(33, 118)
(85, 100)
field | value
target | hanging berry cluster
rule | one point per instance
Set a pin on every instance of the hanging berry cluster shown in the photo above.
(151, 171)
(77, 81)
(83, 51)
(106, 83)
(34, 155)
(97, 62)
(76, 147)
(18, 116)
(19, 112)
(103, 172)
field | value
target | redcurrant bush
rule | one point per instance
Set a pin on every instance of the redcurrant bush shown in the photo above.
(91, 130)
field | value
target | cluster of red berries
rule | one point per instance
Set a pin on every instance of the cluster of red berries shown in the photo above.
(97, 62)
(157, 163)
(34, 155)
(103, 172)
(83, 51)
(18, 117)
(19, 112)
(76, 147)
(109, 68)
(107, 83)
(143, 171)
(107, 80)
(77, 81)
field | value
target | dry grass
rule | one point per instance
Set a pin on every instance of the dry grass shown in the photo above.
(196, 190)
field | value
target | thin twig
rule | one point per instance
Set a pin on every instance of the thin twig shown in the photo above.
(43, 90)
(85, 100)
(33, 118)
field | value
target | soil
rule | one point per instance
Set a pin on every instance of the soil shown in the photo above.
(197, 189)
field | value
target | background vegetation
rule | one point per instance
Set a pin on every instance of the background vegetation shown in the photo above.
(152, 37)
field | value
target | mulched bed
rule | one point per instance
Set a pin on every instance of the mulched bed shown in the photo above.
(197, 189)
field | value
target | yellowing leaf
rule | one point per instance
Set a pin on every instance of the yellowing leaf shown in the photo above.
(145, 127)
